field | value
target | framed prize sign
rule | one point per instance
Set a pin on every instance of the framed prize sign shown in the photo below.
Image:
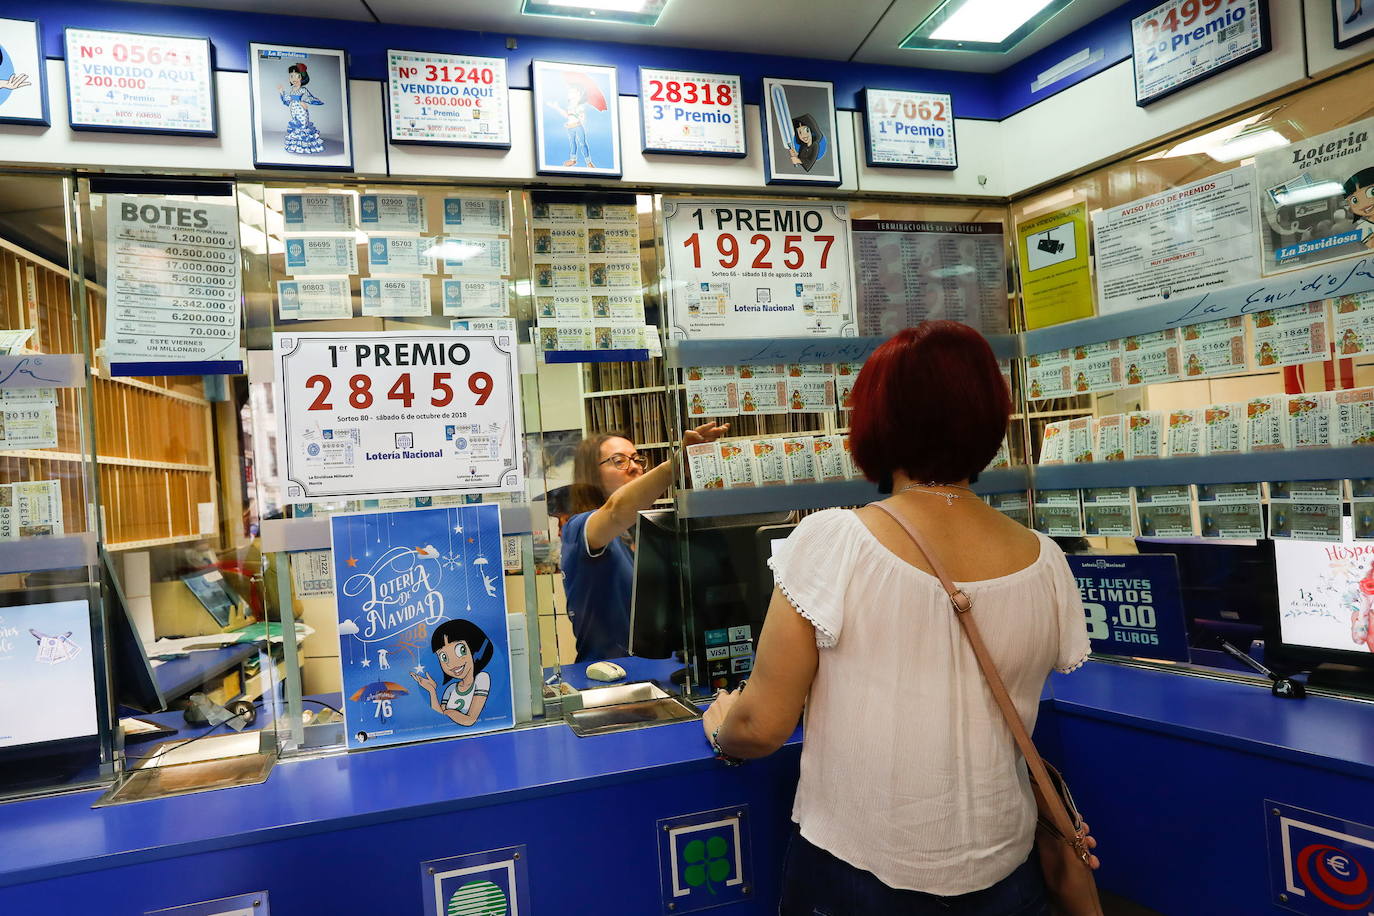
(799, 133)
(909, 130)
(128, 81)
(691, 114)
(447, 99)
(23, 73)
(1183, 42)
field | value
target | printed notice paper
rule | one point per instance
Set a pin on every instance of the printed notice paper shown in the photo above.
(174, 284)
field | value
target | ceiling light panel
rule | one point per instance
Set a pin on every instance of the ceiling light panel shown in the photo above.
(629, 12)
(993, 26)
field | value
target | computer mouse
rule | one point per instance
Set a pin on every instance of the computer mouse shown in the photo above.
(605, 671)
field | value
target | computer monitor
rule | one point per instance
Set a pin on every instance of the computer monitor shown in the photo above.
(1324, 618)
(135, 686)
(1227, 588)
(656, 594)
(213, 594)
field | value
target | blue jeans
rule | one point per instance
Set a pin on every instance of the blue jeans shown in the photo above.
(816, 883)
(577, 144)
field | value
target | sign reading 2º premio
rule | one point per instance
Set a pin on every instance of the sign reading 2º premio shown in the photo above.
(1183, 42)
(126, 81)
(693, 113)
(910, 129)
(1133, 605)
(396, 414)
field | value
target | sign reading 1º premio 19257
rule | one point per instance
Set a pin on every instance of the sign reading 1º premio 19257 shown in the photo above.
(1133, 605)
(685, 112)
(1181, 42)
(910, 129)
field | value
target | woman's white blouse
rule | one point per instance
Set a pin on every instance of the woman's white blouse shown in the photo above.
(908, 769)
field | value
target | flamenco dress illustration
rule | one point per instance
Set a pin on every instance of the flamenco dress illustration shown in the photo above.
(302, 136)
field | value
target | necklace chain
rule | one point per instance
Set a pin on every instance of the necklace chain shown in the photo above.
(925, 487)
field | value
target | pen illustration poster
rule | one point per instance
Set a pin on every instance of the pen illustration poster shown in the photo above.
(422, 624)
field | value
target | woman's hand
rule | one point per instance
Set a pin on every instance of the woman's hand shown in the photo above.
(425, 681)
(17, 81)
(706, 432)
(715, 715)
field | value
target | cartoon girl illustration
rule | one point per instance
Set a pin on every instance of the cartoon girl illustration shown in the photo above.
(1359, 201)
(583, 95)
(302, 136)
(808, 144)
(464, 651)
(9, 80)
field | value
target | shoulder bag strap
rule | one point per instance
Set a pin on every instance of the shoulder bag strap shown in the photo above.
(962, 607)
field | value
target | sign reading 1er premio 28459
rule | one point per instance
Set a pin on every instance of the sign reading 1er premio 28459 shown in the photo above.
(402, 414)
(685, 112)
(755, 268)
(910, 129)
(447, 98)
(1182, 42)
(153, 83)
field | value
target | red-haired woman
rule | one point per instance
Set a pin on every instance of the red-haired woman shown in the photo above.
(913, 797)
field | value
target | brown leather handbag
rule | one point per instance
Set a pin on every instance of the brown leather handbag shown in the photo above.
(1060, 839)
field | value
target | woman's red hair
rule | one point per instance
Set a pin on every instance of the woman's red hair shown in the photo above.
(932, 402)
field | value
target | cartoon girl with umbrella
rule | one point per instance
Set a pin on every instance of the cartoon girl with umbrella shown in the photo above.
(582, 94)
(302, 136)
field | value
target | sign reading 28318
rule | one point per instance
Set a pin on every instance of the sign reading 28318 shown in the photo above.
(1182, 42)
(693, 113)
(910, 129)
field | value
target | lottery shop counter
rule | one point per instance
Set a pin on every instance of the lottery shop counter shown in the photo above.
(575, 823)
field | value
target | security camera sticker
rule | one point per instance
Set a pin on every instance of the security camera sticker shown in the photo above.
(1054, 245)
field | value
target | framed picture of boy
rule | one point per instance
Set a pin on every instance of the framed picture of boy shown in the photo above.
(23, 79)
(576, 119)
(299, 98)
(799, 133)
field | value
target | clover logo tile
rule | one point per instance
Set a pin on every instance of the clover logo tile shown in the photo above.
(704, 859)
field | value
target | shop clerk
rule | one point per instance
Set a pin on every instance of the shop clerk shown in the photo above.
(611, 486)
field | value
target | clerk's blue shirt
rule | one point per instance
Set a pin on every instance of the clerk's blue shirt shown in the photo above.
(597, 585)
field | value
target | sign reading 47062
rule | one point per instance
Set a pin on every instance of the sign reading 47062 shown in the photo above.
(396, 415)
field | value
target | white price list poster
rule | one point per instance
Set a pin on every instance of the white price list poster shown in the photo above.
(174, 286)
(366, 415)
(691, 113)
(153, 83)
(761, 269)
(1182, 42)
(910, 129)
(447, 99)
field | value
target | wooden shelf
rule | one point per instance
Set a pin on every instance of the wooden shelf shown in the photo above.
(108, 459)
(155, 389)
(113, 546)
(1291, 464)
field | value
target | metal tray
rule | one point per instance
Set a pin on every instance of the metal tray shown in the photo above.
(602, 720)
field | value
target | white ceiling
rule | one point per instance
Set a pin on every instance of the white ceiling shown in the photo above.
(866, 31)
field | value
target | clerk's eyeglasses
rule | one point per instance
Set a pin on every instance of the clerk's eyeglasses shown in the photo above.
(621, 461)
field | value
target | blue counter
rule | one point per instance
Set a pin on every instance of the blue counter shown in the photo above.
(1175, 773)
